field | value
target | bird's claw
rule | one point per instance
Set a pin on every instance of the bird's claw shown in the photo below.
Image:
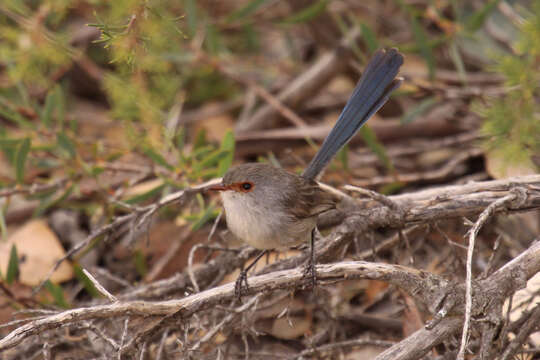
(239, 288)
(311, 273)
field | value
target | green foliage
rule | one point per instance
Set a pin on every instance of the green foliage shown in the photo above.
(308, 13)
(3, 225)
(57, 294)
(85, 281)
(377, 147)
(204, 215)
(20, 159)
(141, 264)
(12, 272)
(512, 122)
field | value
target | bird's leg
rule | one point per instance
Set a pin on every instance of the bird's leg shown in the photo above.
(242, 278)
(310, 270)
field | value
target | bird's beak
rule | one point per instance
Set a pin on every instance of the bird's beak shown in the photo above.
(218, 187)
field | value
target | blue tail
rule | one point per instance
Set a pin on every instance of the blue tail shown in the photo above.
(371, 93)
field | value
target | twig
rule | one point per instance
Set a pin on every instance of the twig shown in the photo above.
(142, 213)
(523, 333)
(316, 352)
(385, 200)
(34, 188)
(100, 287)
(484, 216)
(406, 278)
(162, 344)
(227, 319)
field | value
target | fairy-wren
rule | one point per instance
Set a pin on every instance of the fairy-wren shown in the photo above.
(270, 208)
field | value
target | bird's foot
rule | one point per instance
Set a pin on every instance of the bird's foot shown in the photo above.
(241, 285)
(310, 273)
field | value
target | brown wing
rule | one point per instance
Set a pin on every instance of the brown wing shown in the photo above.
(310, 200)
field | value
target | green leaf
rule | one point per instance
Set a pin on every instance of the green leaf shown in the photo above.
(157, 158)
(147, 195)
(20, 159)
(391, 188)
(48, 108)
(57, 293)
(50, 201)
(307, 14)
(190, 7)
(458, 61)
(421, 38)
(476, 20)
(208, 214)
(343, 157)
(373, 143)
(370, 38)
(14, 117)
(85, 281)
(3, 226)
(180, 140)
(418, 110)
(140, 263)
(12, 272)
(67, 144)
(212, 159)
(9, 147)
(245, 11)
(227, 145)
(213, 41)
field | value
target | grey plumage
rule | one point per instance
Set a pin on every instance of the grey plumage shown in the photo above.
(271, 208)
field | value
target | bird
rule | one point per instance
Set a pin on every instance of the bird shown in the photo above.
(271, 208)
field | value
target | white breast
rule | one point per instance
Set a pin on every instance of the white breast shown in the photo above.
(261, 225)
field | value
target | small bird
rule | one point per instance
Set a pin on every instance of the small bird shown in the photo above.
(270, 208)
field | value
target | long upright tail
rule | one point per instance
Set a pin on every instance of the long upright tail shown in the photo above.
(371, 93)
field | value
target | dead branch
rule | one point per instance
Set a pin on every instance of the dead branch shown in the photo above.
(425, 287)
(417, 281)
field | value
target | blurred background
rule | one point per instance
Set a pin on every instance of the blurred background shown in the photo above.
(106, 106)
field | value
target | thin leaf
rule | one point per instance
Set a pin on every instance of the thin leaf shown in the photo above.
(190, 7)
(57, 293)
(67, 144)
(343, 157)
(12, 272)
(213, 41)
(307, 14)
(208, 214)
(48, 108)
(3, 226)
(421, 39)
(245, 11)
(227, 145)
(476, 20)
(51, 201)
(391, 188)
(418, 110)
(147, 195)
(373, 143)
(14, 117)
(85, 281)
(458, 61)
(140, 263)
(9, 147)
(212, 159)
(200, 139)
(20, 159)
(370, 38)
(157, 158)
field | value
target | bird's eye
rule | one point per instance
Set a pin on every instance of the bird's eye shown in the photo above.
(246, 186)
